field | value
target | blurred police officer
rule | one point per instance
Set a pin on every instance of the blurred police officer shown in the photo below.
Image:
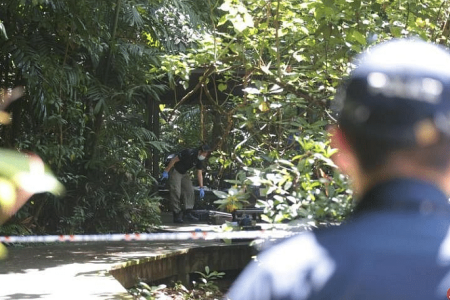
(181, 191)
(393, 137)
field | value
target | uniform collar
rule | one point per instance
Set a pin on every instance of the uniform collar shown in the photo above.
(404, 195)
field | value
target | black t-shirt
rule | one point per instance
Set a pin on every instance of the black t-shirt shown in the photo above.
(188, 159)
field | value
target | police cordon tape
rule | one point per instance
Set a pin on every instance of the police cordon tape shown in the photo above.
(174, 236)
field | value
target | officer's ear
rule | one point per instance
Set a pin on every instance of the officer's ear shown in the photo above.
(345, 157)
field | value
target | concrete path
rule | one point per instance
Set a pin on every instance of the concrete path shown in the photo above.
(78, 270)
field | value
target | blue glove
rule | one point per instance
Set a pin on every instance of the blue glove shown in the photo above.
(202, 192)
(165, 175)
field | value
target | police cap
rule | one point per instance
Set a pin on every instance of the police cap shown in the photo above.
(399, 92)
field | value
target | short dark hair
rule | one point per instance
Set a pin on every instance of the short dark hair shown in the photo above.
(373, 153)
(204, 148)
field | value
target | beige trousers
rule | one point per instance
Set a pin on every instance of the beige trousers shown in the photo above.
(181, 191)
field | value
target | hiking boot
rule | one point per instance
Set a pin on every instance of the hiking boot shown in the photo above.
(189, 216)
(177, 218)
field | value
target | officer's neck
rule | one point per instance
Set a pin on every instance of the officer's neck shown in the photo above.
(400, 167)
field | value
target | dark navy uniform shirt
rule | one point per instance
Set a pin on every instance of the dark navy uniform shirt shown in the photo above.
(396, 246)
(188, 159)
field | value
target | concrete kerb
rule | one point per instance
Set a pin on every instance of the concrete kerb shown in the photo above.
(178, 265)
(83, 270)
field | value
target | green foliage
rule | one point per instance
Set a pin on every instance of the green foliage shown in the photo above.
(234, 198)
(21, 176)
(186, 132)
(207, 280)
(143, 290)
(119, 195)
(268, 74)
(279, 64)
(84, 65)
(307, 186)
(205, 290)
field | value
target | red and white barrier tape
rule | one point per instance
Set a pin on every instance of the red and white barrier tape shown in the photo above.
(177, 236)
